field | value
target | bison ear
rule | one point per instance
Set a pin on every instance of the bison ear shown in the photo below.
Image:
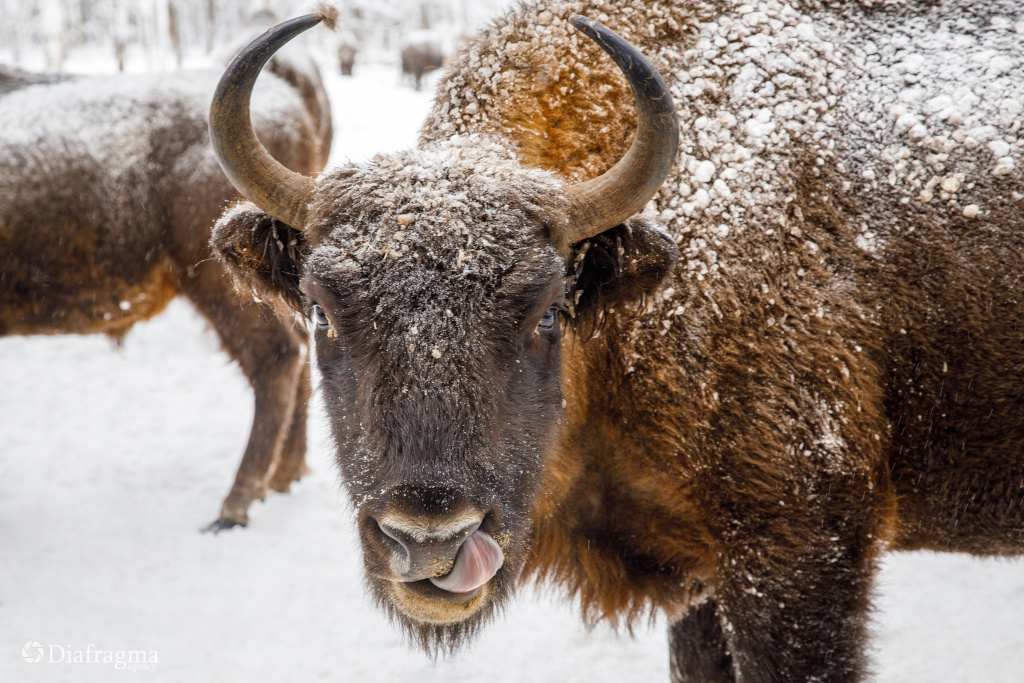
(619, 267)
(263, 254)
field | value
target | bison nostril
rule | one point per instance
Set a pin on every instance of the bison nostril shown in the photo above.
(400, 560)
(393, 534)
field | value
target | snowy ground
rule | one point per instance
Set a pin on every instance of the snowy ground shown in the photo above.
(112, 459)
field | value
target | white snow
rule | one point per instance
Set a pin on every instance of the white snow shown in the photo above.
(374, 112)
(111, 460)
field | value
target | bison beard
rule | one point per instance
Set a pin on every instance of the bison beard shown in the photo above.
(834, 368)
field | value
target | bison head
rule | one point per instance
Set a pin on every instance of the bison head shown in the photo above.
(436, 279)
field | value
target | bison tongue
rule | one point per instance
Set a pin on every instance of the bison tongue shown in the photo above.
(478, 560)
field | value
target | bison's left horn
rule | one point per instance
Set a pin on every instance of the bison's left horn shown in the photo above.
(622, 191)
(258, 176)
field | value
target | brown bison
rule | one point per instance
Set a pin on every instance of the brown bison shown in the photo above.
(346, 58)
(110, 188)
(724, 410)
(420, 57)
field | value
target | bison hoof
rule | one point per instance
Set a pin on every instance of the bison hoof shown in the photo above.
(219, 525)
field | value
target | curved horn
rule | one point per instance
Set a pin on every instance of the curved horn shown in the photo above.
(607, 200)
(258, 176)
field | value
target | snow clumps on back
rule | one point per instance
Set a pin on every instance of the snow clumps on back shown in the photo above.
(767, 92)
(117, 120)
(105, 115)
(937, 109)
(747, 79)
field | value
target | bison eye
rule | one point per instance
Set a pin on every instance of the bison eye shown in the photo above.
(319, 317)
(548, 321)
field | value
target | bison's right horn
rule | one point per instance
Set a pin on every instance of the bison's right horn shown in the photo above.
(603, 202)
(258, 176)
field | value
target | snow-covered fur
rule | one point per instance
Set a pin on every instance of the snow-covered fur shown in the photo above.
(834, 367)
(434, 267)
(108, 194)
(839, 336)
(13, 79)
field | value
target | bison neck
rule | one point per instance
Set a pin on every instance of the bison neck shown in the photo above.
(618, 524)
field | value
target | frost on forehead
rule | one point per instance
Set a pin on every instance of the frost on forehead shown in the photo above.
(430, 234)
(463, 205)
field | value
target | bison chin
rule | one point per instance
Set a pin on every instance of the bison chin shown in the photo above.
(439, 623)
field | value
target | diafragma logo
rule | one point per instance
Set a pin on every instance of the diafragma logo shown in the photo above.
(32, 652)
(131, 660)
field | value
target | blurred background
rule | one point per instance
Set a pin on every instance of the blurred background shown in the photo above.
(155, 35)
(113, 456)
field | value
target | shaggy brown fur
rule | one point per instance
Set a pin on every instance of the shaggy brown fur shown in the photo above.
(833, 367)
(109, 192)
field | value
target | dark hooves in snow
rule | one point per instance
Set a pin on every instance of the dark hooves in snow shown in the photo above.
(220, 525)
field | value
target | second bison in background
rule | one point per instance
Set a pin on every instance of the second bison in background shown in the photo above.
(109, 192)
(346, 58)
(419, 58)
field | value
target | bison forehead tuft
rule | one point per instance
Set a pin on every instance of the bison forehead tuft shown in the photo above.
(458, 226)
(461, 193)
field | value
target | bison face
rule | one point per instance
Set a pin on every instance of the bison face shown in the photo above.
(438, 302)
(436, 280)
(438, 305)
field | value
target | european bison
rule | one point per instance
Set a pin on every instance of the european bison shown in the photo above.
(110, 188)
(725, 421)
(346, 58)
(420, 57)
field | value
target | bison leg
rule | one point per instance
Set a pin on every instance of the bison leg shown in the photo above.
(799, 612)
(698, 652)
(292, 464)
(271, 354)
(274, 368)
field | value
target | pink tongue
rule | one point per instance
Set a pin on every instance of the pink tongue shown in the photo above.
(478, 560)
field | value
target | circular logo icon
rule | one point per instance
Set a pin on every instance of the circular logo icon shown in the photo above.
(32, 652)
